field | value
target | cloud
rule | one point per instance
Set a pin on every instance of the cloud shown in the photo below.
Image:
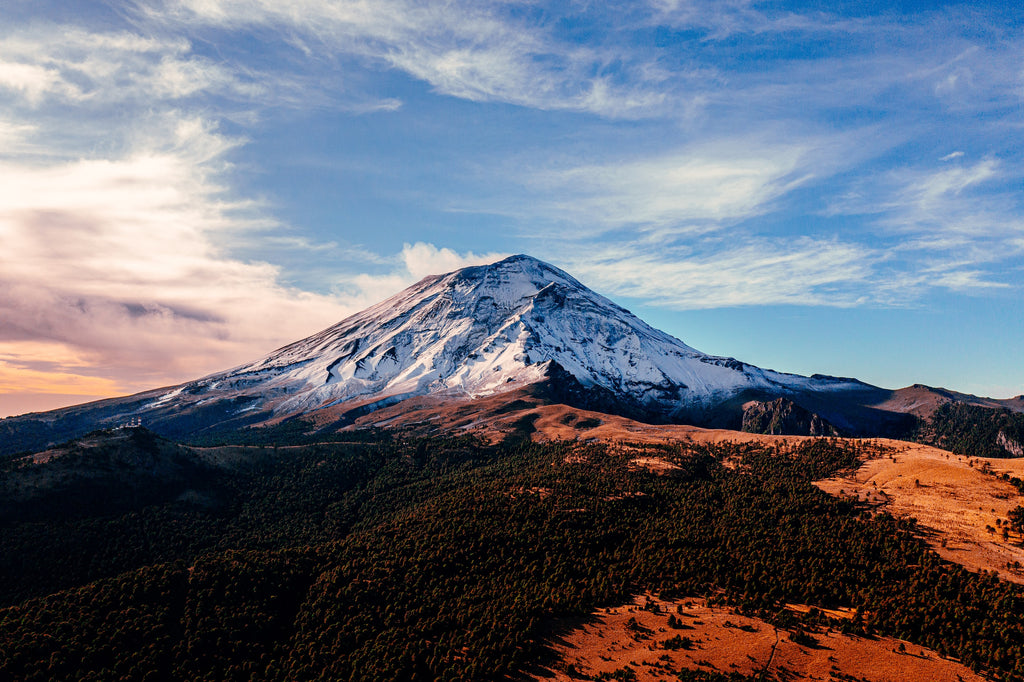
(757, 271)
(676, 190)
(98, 71)
(422, 259)
(722, 19)
(29, 80)
(97, 68)
(614, 60)
(117, 261)
(42, 367)
(705, 185)
(14, 137)
(932, 195)
(957, 227)
(479, 51)
(412, 264)
(489, 51)
(955, 201)
(38, 375)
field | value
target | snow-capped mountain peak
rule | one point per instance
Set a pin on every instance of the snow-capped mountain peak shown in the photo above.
(482, 330)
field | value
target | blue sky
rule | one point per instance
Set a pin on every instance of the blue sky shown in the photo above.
(809, 187)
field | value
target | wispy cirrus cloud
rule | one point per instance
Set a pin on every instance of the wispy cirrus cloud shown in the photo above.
(723, 19)
(957, 226)
(758, 271)
(102, 72)
(79, 66)
(478, 51)
(939, 199)
(697, 189)
(942, 206)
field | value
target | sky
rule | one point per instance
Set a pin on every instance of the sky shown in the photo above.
(811, 187)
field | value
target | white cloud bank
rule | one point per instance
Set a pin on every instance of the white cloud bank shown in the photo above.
(415, 262)
(115, 261)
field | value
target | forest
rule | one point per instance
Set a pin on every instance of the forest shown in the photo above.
(445, 558)
(974, 431)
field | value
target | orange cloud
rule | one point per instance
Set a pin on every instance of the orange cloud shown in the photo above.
(15, 379)
(47, 368)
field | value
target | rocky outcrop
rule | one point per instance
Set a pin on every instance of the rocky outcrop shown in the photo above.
(782, 417)
(1011, 446)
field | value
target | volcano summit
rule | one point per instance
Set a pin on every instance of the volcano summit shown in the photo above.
(488, 329)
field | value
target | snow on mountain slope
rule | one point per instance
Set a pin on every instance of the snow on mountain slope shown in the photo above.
(482, 330)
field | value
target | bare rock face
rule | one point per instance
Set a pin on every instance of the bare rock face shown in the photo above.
(782, 417)
(1014, 448)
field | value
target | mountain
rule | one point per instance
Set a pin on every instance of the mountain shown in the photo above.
(485, 330)
(512, 325)
(923, 401)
